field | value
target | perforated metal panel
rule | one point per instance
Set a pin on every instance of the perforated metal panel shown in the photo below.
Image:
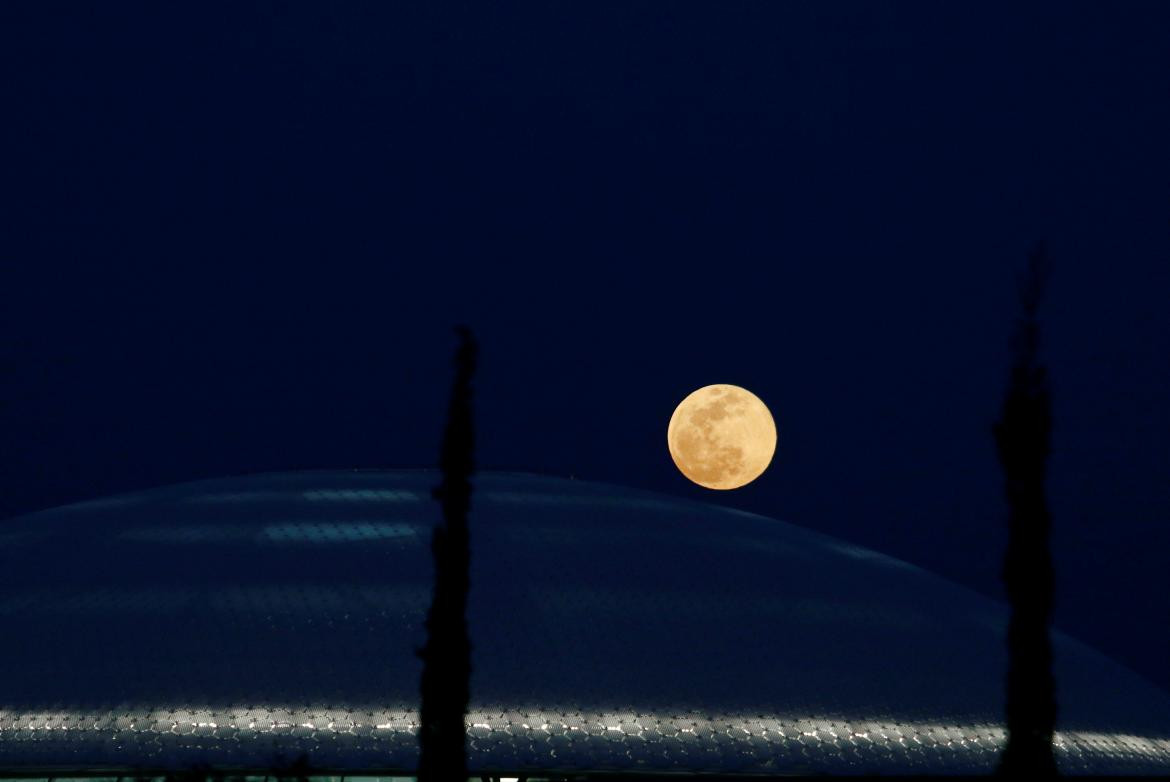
(251, 622)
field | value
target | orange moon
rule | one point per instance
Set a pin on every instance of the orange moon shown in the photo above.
(721, 436)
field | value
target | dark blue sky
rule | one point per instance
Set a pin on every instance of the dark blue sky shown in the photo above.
(236, 239)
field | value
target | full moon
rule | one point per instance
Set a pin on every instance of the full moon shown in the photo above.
(721, 436)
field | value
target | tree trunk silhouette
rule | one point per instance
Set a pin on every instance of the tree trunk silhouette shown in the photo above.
(446, 674)
(1022, 437)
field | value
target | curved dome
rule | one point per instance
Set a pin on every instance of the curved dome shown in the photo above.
(248, 622)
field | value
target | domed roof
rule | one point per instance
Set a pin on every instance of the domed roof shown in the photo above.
(248, 622)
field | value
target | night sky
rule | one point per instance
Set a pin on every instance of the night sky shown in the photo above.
(236, 238)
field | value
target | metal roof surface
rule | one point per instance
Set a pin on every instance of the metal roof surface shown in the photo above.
(248, 622)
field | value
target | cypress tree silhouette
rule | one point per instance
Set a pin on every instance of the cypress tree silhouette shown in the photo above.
(1022, 437)
(446, 674)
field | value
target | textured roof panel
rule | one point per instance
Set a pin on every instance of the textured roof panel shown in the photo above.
(247, 622)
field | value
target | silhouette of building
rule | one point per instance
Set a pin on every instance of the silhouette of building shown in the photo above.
(257, 622)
